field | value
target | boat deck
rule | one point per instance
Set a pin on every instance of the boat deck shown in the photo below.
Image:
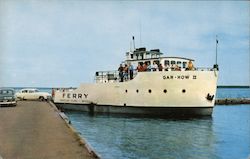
(34, 129)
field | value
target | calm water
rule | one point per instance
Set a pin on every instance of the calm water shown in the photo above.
(233, 93)
(226, 135)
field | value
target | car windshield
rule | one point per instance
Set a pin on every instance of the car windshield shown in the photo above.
(10, 92)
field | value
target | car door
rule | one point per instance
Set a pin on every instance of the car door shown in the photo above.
(32, 94)
(23, 94)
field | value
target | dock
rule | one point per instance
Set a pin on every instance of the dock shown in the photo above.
(35, 129)
(232, 101)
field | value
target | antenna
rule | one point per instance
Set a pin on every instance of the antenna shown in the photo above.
(216, 64)
(133, 41)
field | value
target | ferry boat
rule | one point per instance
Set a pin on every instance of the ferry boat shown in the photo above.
(170, 89)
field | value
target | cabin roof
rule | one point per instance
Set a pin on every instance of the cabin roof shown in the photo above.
(165, 57)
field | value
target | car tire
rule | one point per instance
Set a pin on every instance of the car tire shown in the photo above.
(41, 98)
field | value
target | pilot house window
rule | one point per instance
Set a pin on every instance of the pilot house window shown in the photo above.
(179, 63)
(184, 64)
(166, 62)
(172, 62)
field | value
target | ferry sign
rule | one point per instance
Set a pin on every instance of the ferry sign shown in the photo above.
(74, 95)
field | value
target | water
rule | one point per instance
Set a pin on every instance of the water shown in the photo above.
(225, 135)
(233, 93)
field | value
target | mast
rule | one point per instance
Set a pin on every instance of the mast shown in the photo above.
(133, 41)
(216, 62)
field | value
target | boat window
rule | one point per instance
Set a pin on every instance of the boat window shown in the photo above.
(140, 63)
(166, 62)
(137, 56)
(149, 91)
(184, 64)
(132, 56)
(165, 91)
(179, 63)
(137, 91)
(183, 91)
(148, 62)
(157, 62)
(172, 62)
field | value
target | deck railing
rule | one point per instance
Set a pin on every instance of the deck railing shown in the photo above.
(113, 75)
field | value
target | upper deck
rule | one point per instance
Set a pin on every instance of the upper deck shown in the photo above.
(141, 55)
(150, 58)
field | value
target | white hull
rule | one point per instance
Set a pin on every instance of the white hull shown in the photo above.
(169, 89)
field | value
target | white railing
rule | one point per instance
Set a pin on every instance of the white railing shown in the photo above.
(113, 76)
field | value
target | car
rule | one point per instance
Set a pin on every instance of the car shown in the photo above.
(32, 94)
(7, 97)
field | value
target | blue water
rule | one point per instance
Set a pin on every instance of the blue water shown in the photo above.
(233, 93)
(225, 135)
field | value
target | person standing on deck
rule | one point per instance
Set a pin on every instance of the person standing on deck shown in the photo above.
(120, 69)
(190, 65)
(125, 72)
(144, 66)
(155, 66)
(131, 71)
(160, 67)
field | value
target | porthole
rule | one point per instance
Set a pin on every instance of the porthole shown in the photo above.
(183, 91)
(126, 91)
(137, 91)
(149, 91)
(165, 91)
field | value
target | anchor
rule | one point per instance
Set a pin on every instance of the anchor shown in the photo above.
(210, 97)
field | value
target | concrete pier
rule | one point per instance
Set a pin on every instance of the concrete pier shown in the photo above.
(232, 101)
(35, 129)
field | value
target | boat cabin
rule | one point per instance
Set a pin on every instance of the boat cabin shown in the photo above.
(140, 56)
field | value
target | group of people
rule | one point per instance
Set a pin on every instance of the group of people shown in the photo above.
(147, 67)
(126, 72)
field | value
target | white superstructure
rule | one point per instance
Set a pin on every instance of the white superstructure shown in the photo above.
(171, 90)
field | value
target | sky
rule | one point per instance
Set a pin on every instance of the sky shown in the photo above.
(63, 43)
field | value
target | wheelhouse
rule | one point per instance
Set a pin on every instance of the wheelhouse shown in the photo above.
(141, 55)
